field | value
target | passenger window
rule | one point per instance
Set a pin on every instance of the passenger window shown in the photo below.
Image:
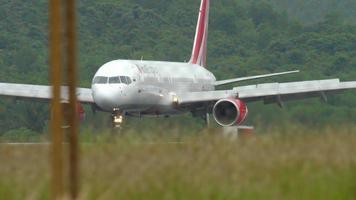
(100, 80)
(114, 80)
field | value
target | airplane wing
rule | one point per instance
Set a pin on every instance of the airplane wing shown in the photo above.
(235, 80)
(41, 92)
(270, 92)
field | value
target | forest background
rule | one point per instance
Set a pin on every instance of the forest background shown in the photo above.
(245, 38)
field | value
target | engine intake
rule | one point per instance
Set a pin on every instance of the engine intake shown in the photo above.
(230, 112)
(79, 109)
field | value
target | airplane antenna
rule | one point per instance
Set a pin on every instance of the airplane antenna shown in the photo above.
(141, 58)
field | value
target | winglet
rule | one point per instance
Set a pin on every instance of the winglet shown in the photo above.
(201, 35)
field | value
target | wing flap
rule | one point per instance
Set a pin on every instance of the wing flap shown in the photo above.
(25, 91)
(281, 92)
(235, 80)
(271, 89)
(271, 92)
(41, 92)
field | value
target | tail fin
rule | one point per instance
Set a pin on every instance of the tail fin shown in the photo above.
(201, 35)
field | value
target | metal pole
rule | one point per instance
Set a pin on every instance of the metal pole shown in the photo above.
(56, 80)
(71, 71)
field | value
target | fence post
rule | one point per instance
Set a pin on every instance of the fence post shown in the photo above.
(71, 72)
(55, 54)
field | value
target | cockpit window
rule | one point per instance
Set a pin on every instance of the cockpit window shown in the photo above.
(120, 79)
(100, 80)
(123, 79)
(128, 80)
(114, 80)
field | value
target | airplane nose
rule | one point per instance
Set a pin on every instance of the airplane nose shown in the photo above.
(106, 98)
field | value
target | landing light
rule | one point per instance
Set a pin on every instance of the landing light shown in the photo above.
(175, 99)
(118, 119)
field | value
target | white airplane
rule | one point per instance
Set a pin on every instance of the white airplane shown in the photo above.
(155, 88)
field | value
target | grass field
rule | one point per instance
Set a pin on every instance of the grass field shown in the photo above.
(273, 164)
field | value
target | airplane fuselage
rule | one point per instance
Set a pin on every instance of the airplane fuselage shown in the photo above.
(147, 87)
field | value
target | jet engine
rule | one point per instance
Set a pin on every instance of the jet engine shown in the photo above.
(229, 112)
(79, 109)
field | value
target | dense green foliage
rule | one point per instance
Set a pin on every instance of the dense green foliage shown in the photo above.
(311, 11)
(246, 38)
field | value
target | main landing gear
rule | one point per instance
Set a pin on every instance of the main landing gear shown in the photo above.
(117, 118)
(206, 118)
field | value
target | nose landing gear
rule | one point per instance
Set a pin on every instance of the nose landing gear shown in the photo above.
(117, 118)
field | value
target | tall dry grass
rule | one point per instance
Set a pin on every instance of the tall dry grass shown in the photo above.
(300, 164)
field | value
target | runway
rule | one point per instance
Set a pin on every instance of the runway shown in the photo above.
(86, 144)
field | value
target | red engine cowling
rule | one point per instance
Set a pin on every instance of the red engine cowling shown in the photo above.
(229, 112)
(81, 112)
(79, 109)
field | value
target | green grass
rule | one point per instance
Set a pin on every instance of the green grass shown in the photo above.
(301, 164)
